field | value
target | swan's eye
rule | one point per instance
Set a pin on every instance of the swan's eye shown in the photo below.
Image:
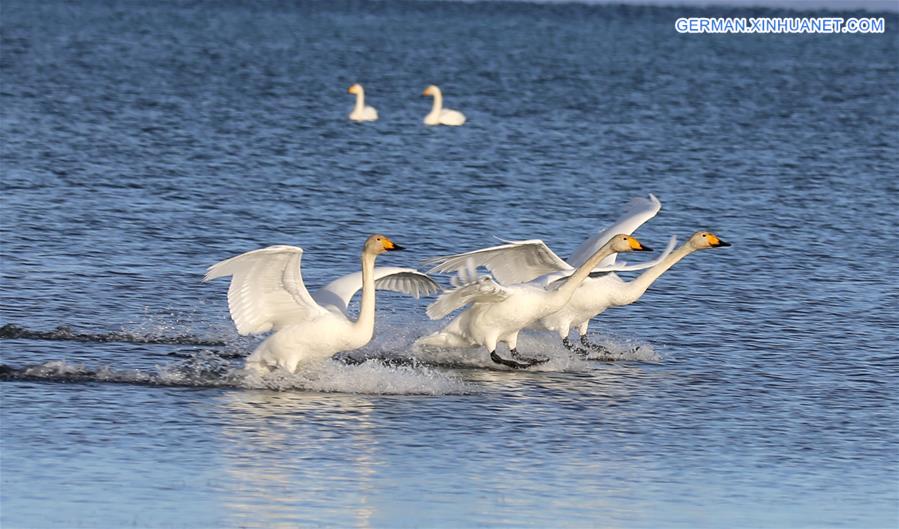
(703, 234)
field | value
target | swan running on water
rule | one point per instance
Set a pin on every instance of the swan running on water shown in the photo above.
(533, 261)
(497, 312)
(360, 111)
(267, 294)
(438, 114)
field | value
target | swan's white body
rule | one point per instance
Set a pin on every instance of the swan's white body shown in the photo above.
(361, 112)
(267, 294)
(499, 312)
(533, 263)
(439, 115)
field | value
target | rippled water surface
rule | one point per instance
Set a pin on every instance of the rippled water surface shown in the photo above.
(143, 141)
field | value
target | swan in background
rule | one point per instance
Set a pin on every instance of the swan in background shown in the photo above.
(360, 111)
(498, 312)
(533, 261)
(438, 114)
(267, 294)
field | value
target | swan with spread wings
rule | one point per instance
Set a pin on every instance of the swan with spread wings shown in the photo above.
(497, 313)
(267, 294)
(533, 262)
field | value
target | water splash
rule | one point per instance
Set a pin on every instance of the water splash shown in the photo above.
(207, 369)
(11, 331)
(542, 346)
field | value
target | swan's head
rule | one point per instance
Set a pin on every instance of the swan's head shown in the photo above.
(703, 240)
(355, 89)
(378, 244)
(625, 243)
(431, 90)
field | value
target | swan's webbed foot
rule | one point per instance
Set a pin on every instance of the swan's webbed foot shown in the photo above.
(513, 364)
(595, 347)
(605, 354)
(583, 353)
(535, 361)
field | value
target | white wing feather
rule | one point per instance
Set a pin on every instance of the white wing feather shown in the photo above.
(267, 290)
(513, 262)
(469, 288)
(339, 292)
(637, 211)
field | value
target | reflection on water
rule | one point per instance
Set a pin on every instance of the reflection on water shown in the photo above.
(268, 438)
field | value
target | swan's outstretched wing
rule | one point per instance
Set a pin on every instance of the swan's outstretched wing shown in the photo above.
(513, 262)
(469, 288)
(339, 292)
(267, 290)
(637, 211)
(555, 278)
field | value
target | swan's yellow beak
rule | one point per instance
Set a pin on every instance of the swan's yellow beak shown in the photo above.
(715, 242)
(427, 91)
(391, 246)
(637, 246)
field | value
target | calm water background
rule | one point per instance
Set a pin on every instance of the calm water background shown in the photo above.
(143, 141)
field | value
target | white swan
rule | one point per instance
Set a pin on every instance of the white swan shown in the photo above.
(606, 290)
(360, 111)
(499, 312)
(267, 294)
(438, 114)
(532, 260)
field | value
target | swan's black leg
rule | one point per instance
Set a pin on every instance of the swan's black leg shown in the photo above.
(594, 346)
(577, 350)
(534, 361)
(512, 363)
(605, 353)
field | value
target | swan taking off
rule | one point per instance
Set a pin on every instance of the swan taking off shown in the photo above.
(497, 312)
(360, 111)
(438, 114)
(533, 261)
(267, 294)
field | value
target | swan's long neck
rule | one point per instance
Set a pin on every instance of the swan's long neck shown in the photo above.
(574, 281)
(438, 102)
(636, 288)
(360, 101)
(365, 323)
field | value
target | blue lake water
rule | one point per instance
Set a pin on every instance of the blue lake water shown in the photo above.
(144, 141)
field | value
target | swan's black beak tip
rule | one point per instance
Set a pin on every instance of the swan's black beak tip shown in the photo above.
(396, 247)
(722, 243)
(644, 249)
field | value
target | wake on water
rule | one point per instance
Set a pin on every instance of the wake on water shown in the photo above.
(389, 365)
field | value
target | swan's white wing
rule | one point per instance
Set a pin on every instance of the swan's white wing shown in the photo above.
(267, 290)
(621, 266)
(513, 262)
(469, 288)
(485, 290)
(339, 292)
(637, 211)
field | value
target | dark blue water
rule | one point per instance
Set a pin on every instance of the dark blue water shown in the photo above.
(144, 141)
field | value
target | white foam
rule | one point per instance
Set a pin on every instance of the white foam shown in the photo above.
(206, 370)
(543, 345)
(372, 377)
